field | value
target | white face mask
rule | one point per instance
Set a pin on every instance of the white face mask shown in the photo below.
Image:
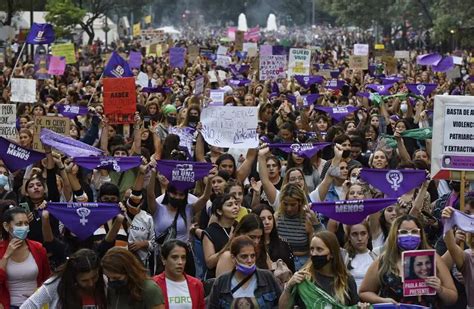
(404, 107)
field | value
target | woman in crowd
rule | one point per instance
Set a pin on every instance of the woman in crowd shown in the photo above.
(179, 289)
(128, 284)
(24, 264)
(81, 270)
(245, 280)
(383, 282)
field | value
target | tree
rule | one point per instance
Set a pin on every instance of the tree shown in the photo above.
(64, 15)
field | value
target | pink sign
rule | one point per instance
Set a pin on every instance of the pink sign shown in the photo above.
(57, 65)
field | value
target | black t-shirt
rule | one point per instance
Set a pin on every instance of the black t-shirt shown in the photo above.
(219, 236)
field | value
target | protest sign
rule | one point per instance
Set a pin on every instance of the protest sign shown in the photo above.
(193, 52)
(177, 55)
(120, 99)
(142, 80)
(41, 63)
(8, 121)
(199, 85)
(361, 50)
(457, 60)
(418, 265)
(223, 61)
(230, 126)
(221, 50)
(65, 50)
(57, 124)
(379, 46)
(390, 64)
(239, 40)
(57, 65)
(453, 123)
(217, 97)
(23, 90)
(266, 50)
(272, 67)
(402, 54)
(250, 48)
(359, 62)
(135, 59)
(299, 61)
(186, 137)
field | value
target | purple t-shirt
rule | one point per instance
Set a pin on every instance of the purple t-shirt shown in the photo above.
(467, 272)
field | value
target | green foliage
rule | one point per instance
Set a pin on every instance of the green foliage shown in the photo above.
(454, 19)
(64, 15)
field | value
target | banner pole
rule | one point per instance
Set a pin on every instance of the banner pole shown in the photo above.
(16, 63)
(95, 89)
(462, 191)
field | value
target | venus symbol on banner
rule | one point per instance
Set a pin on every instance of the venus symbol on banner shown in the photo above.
(421, 88)
(395, 178)
(83, 213)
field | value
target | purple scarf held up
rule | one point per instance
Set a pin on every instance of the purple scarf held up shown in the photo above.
(183, 174)
(16, 157)
(394, 183)
(307, 150)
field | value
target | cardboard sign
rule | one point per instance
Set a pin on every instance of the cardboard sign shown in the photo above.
(60, 125)
(418, 265)
(23, 90)
(299, 61)
(361, 49)
(272, 67)
(120, 99)
(390, 64)
(402, 54)
(65, 50)
(8, 121)
(193, 53)
(230, 126)
(359, 62)
(239, 40)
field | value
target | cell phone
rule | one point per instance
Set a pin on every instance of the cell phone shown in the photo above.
(146, 121)
(26, 207)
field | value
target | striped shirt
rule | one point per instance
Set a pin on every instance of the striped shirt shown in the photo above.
(293, 230)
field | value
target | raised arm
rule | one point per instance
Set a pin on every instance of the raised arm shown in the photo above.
(457, 254)
(267, 185)
(246, 167)
(137, 135)
(323, 187)
(202, 201)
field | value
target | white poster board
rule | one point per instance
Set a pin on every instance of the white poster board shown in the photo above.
(230, 126)
(299, 61)
(217, 97)
(142, 80)
(272, 67)
(8, 121)
(23, 90)
(361, 50)
(453, 129)
(199, 85)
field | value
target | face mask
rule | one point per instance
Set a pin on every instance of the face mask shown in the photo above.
(176, 203)
(354, 179)
(193, 119)
(20, 232)
(116, 284)
(404, 107)
(4, 182)
(244, 269)
(171, 120)
(319, 261)
(408, 242)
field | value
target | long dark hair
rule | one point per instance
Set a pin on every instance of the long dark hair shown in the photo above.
(8, 216)
(307, 166)
(82, 261)
(274, 238)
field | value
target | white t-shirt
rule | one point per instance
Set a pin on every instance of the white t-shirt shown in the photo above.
(248, 291)
(360, 263)
(178, 294)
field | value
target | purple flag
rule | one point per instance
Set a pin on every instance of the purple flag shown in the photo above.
(307, 81)
(308, 99)
(159, 89)
(380, 89)
(445, 65)
(337, 113)
(351, 212)
(393, 183)
(240, 54)
(183, 174)
(41, 34)
(391, 80)
(275, 90)
(16, 157)
(117, 67)
(177, 55)
(421, 89)
(463, 221)
(239, 82)
(118, 164)
(335, 73)
(307, 150)
(239, 69)
(363, 94)
(135, 59)
(71, 111)
(428, 59)
(83, 219)
(68, 145)
(335, 84)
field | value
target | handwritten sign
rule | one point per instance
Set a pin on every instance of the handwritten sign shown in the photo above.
(359, 62)
(65, 50)
(272, 67)
(361, 49)
(120, 99)
(217, 97)
(8, 121)
(59, 125)
(23, 90)
(230, 126)
(299, 61)
(199, 85)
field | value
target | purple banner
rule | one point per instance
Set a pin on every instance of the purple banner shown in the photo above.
(135, 59)
(118, 164)
(380, 89)
(351, 212)
(308, 99)
(445, 65)
(391, 80)
(177, 55)
(83, 219)
(41, 34)
(239, 82)
(183, 174)
(307, 81)
(117, 67)
(335, 84)
(69, 146)
(421, 89)
(428, 59)
(159, 89)
(307, 150)
(458, 162)
(393, 183)
(398, 306)
(16, 157)
(337, 113)
(463, 221)
(239, 69)
(71, 111)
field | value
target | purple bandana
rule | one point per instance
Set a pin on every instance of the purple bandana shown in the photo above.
(463, 221)
(239, 69)
(159, 89)
(428, 59)
(69, 146)
(83, 219)
(241, 54)
(71, 111)
(135, 59)
(391, 80)
(335, 84)
(363, 94)
(307, 150)
(445, 65)
(117, 67)
(16, 157)
(380, 89)
(307, 81)
(239, 82)
(41, 34)
(118, 164)
(335, 73)
(183, 174)
(308, 99)
(177, 56)
(337, 113)
(351, 212)
(421, 89)
(393, 183)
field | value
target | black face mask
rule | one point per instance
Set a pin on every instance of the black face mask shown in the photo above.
(455, 186)
(319, 261)
(171, 120)
(346, 154)
(176, 203)
(193, 119)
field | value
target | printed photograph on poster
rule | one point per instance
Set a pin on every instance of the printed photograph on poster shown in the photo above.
(418, 265)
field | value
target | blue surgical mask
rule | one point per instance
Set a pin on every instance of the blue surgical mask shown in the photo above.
(244, 269)
(20, 232)
(4, 182)
(408, 242)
